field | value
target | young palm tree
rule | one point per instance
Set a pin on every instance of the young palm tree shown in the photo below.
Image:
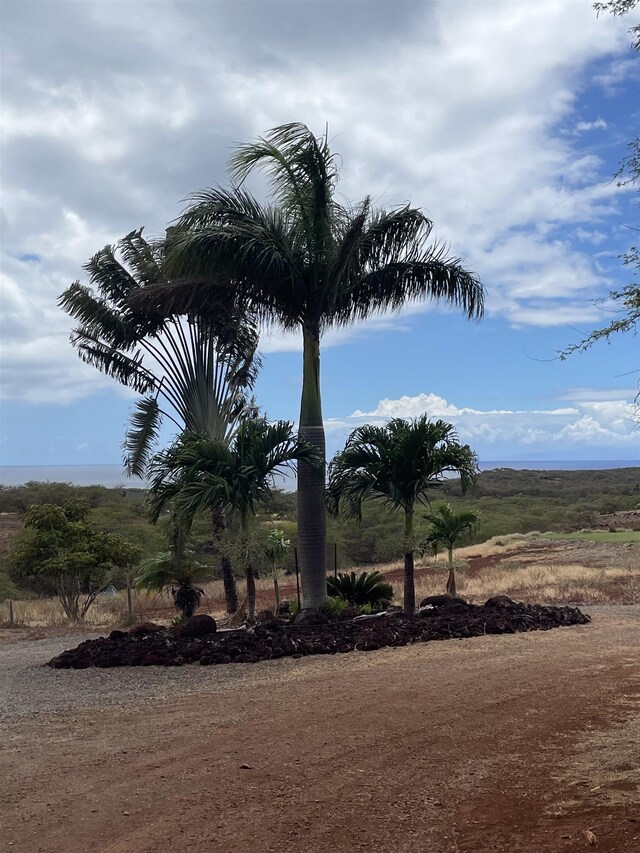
(277, 547)
(306, 262)
(398, 463)
(195, 373)
(446, 528)
(174, 570)
(161, 573)
(197, 474)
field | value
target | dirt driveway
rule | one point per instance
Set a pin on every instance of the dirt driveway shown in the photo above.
(517, 743)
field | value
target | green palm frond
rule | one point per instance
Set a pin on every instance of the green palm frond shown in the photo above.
(447, 526)
(358, 589)
(199, 368)
(141, 436)
(398, 463)
(196, 473)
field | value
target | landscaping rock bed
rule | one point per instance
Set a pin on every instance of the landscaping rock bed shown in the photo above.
(277, 640)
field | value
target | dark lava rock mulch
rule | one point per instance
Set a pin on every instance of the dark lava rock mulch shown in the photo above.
(277, 640)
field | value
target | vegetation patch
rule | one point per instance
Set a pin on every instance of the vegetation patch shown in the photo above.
(278, 640)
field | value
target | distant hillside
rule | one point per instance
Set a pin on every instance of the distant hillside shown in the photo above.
(510, 501)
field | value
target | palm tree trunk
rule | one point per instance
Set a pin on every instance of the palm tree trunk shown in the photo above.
(276, 591)
(248, 570)
(219, 521)
(251, 594)
(451, 580)
(229, 583)
(409, 585)
(312, 518)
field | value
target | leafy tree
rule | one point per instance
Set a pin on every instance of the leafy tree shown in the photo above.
(64, 555)
(7, 588)
(277, 548)
(196, 473)
(447, 527)
(626, 300)
(364, 588)
(194, 372)
(398, 464)
(306, 262)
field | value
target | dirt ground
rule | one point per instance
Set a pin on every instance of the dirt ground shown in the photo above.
(527, 742)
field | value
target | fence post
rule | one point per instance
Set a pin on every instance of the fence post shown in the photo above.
(335, 560)
(11, 616)
(129, 601)
(295, 554)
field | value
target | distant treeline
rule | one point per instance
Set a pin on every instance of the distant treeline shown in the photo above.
(510, 501)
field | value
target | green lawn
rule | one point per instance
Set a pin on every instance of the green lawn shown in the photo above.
(597, 536)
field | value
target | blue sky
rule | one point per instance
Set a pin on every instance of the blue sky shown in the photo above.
(503, 120)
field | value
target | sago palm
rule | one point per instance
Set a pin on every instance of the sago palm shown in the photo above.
(195, 372)
(161, 573)
(364, 588)
(399, 464)
(446, 527)
(306, 262)
(197, 473)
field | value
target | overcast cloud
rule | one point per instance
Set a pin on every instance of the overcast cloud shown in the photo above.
(114, 111)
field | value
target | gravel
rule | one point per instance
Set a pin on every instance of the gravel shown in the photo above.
(28, 687)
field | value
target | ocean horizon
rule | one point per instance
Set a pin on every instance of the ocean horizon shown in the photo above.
(113, 476)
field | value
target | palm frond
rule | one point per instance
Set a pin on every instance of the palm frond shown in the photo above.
(141, 436)
(398, 463)
(128, 370)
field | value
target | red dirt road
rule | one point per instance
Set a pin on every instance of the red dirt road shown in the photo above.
(516, 743)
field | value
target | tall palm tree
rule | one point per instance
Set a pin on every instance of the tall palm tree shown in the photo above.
(197, 473)
(446, 528)
(398, 463)
(306, 262)
(194, 372)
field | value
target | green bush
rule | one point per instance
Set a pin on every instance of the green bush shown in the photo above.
(334, 606)
(7, 588)
(365, 588)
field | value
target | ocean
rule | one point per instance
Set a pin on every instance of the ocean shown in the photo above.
(113, 476)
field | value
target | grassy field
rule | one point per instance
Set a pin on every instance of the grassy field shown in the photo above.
(620, 536)
(539, 568)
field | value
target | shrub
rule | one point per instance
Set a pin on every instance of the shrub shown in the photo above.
(334, 606)
(365, 588)
(7, 588)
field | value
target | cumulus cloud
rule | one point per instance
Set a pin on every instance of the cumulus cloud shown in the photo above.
(584, 126)
(596, 420)
(110, 119)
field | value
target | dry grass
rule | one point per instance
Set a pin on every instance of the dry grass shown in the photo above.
(111, 611)
(543, 583)
(566, 573)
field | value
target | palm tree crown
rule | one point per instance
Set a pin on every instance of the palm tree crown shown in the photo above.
(193, 372)
(398, 463)
(196, 473)
(306, 261)
(446, 527)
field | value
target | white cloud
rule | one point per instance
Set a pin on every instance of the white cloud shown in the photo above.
(596, 420)
(583, 126)
(110, 120)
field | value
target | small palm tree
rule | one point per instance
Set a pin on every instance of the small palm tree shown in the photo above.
(447, 527)
(398, 463)
(277, 548)
(196, 473)
(307, 262)
(175, 570)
